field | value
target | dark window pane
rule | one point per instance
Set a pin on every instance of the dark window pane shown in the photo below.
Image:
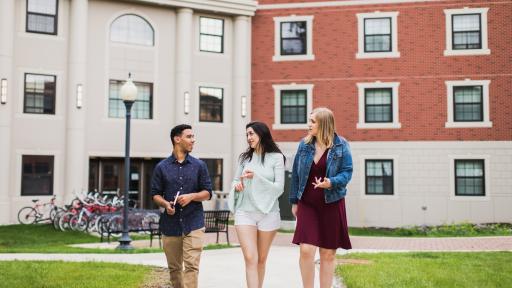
(377, 35)
(211, 35)
(468, 103)
(142, 108)
(39, 94)
(37, 175)
(215, 171)
(211, 104)
(132, 29)
(469, 178)
(42, 16)
(378, 105)
(466, 31)
(293, 106)
(293, 38)
(379, 177)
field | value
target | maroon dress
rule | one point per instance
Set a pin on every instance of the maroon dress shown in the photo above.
(320, 224)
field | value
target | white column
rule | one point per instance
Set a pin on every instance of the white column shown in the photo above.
(184, 34)
(76, 159)
(241, 83)
(6, 72)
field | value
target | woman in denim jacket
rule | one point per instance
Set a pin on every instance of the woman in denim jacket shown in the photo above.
(321, 171)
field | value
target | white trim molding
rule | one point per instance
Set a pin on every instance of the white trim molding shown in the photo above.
(487, 177)
(362, 165)
(450, 123)
(277, 105)
(342, 3)
(361, 54)
(483, 30)
(394, 98)
(277, 39)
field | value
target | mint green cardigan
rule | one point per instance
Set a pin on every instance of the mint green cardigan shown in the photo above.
(263, 190)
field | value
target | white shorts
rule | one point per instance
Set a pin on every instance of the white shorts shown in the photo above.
(264, 222)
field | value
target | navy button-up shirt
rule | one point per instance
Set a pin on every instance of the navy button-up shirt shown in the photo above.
(171, 177)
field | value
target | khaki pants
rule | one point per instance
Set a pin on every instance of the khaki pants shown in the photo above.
(185, 249)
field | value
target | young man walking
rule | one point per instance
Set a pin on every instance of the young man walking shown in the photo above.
(179, 184)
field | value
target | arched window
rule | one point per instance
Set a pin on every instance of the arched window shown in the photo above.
(132, 29)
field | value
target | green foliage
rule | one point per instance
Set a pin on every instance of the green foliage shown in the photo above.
(57, 274)
(456, 269)
(446, 230)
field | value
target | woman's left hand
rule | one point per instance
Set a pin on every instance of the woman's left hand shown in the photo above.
(325, 183)
(247, 174)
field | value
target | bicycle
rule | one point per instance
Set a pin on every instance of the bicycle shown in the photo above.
(39, 212)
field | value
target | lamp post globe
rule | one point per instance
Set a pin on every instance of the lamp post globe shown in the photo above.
(129, 95)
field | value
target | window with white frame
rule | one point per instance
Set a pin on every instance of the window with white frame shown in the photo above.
(377, 35)
(466, 32)
(42, 16)
(378, 105)
(211, 35)
(142, 107)
(293, 38)
(37, 175)
(379, 177)
(132, 29)
(468, 104)
(469, 177)
(293, 104)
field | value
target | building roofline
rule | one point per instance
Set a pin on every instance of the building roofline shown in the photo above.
(336, 3)
(232, 7)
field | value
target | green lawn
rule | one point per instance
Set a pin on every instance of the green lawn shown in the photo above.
(45, 239)
(472, 269)
(71, 274)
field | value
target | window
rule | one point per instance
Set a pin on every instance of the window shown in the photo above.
(379, 177)
(377, 35)
(378, 105)
(293, 104)
(215, 172)
(211, 35)
(468, 104)
(37, 175)
(141, 109)
(467, 101)
(293, 38)
(469, 177)
(466, 32)
(132, 29)
(42, 16)
(39, 94)
(211, 104)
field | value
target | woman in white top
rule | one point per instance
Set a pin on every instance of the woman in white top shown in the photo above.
(258, 183)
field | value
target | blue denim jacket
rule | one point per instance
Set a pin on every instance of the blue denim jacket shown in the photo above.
(339, 170)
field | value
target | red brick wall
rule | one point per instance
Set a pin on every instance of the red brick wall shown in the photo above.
(421, 70)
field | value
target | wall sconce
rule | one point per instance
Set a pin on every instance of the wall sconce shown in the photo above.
(244, 106)
(79, 95)
(186, 102)
(3, 91)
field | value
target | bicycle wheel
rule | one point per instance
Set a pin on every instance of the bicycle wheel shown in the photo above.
(64, 220)
(57, 218)
(54, 212)
(27, 215)
(78, 223)
(115, 225)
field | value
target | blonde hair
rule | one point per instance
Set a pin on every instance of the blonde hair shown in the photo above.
(326, 127)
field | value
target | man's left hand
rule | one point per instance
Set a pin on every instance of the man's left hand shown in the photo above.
(185, 199)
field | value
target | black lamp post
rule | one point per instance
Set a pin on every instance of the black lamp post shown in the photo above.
(128, 94)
